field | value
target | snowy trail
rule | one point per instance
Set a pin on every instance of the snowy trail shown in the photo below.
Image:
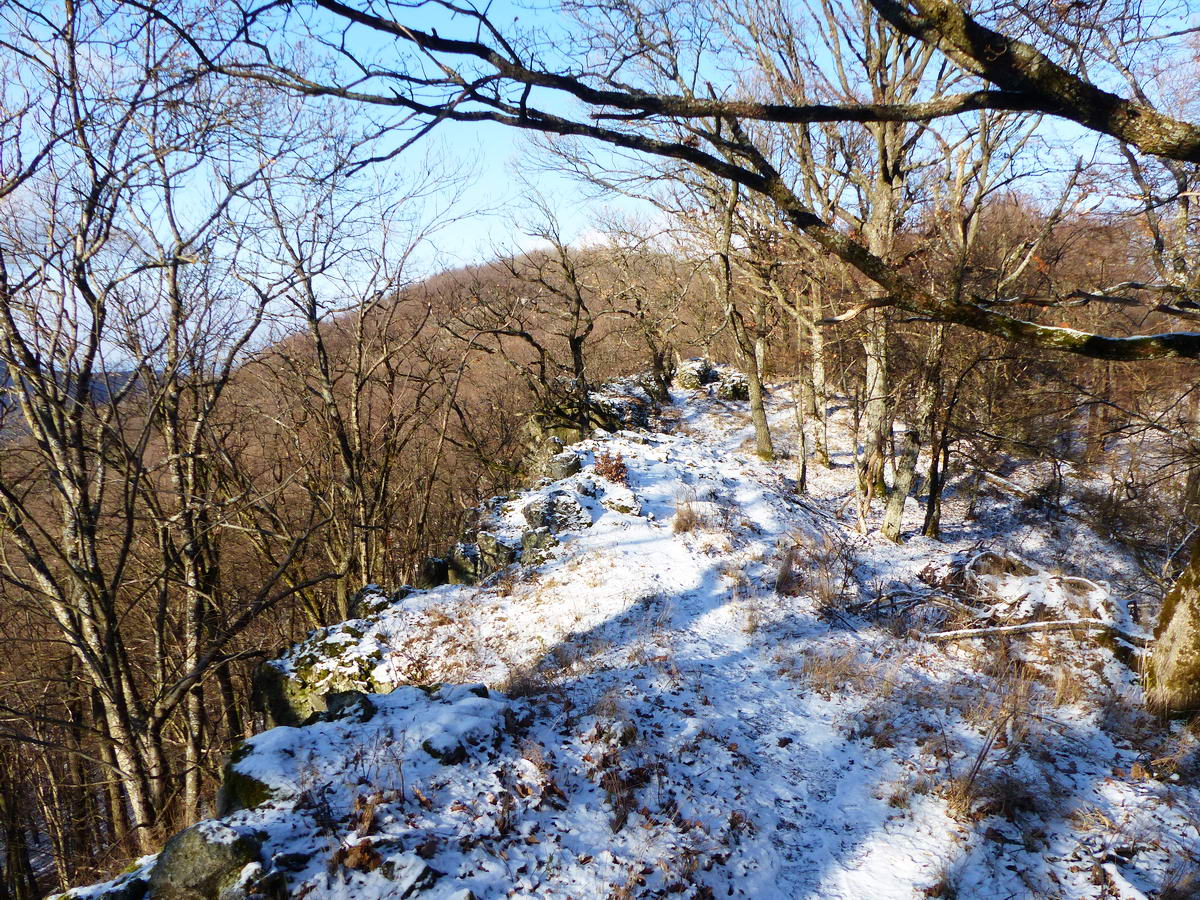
(676, 727)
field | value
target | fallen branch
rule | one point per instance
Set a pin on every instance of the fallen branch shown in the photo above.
(1034, 627)
(857, 310)
(1005, 485)
(948, 602)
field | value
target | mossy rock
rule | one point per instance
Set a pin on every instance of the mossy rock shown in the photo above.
(619, 506)
(371, 600)
(462, 564)
(1172, 680)
(536, 546)
(239, 790)
(695, 373)
(493, 554)
(293, 699)
(353, 705)
(280, 698)
(733, 386)
(201, 862)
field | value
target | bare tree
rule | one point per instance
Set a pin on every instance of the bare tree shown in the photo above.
(119, 330)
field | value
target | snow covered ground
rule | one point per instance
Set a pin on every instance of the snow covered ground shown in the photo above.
(714, 687)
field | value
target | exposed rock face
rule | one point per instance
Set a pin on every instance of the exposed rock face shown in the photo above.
(625, 411)
(294, 697)
(561, 465)
(471, 563)
(695, 373)
(203, 862)
(572, 424)
(536, 545)
(411, 874)
(281, 700)
(494, 554)
(434, 571)
(372, 598)
(462, 564)
(557, 511)
(567, 425)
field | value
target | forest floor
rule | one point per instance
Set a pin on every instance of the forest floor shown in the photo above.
(716, 687)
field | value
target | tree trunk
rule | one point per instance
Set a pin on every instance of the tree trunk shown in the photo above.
(747, 349)
(763, 445)
(230, 708)
(193, 754)
(20, 880)
(802, 443)
(939, 460)
(875, 402)
(1191, 496)
(1173, 670)
(906, 465)
(820, 392)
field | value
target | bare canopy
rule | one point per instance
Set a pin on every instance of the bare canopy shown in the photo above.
(496, 75)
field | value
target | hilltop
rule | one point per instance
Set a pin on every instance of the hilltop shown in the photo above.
(668, 673)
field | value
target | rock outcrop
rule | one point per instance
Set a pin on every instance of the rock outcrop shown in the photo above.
(733, 386)
(695, 373)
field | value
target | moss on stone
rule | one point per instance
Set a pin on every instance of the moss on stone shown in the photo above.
(239, 790)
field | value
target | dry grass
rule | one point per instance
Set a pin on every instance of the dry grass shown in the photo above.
(1068, 687)
(946, 885)
(707, 509)
(687, 517)
(975, 793)
(752, 613)
(628, 889)
(822, 566)
(902, 794)
(620, 778)
(830, 671)
(787, 580)
(877, 722)
(528, 680)
(608, 704)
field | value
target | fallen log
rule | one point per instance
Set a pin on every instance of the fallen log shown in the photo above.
(1035, 627)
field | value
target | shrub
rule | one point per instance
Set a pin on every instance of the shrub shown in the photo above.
(687, 516)
(612, 468)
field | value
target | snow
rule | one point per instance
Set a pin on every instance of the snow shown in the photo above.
(658, 719)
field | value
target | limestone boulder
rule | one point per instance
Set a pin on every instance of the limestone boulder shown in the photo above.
(557, 511)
